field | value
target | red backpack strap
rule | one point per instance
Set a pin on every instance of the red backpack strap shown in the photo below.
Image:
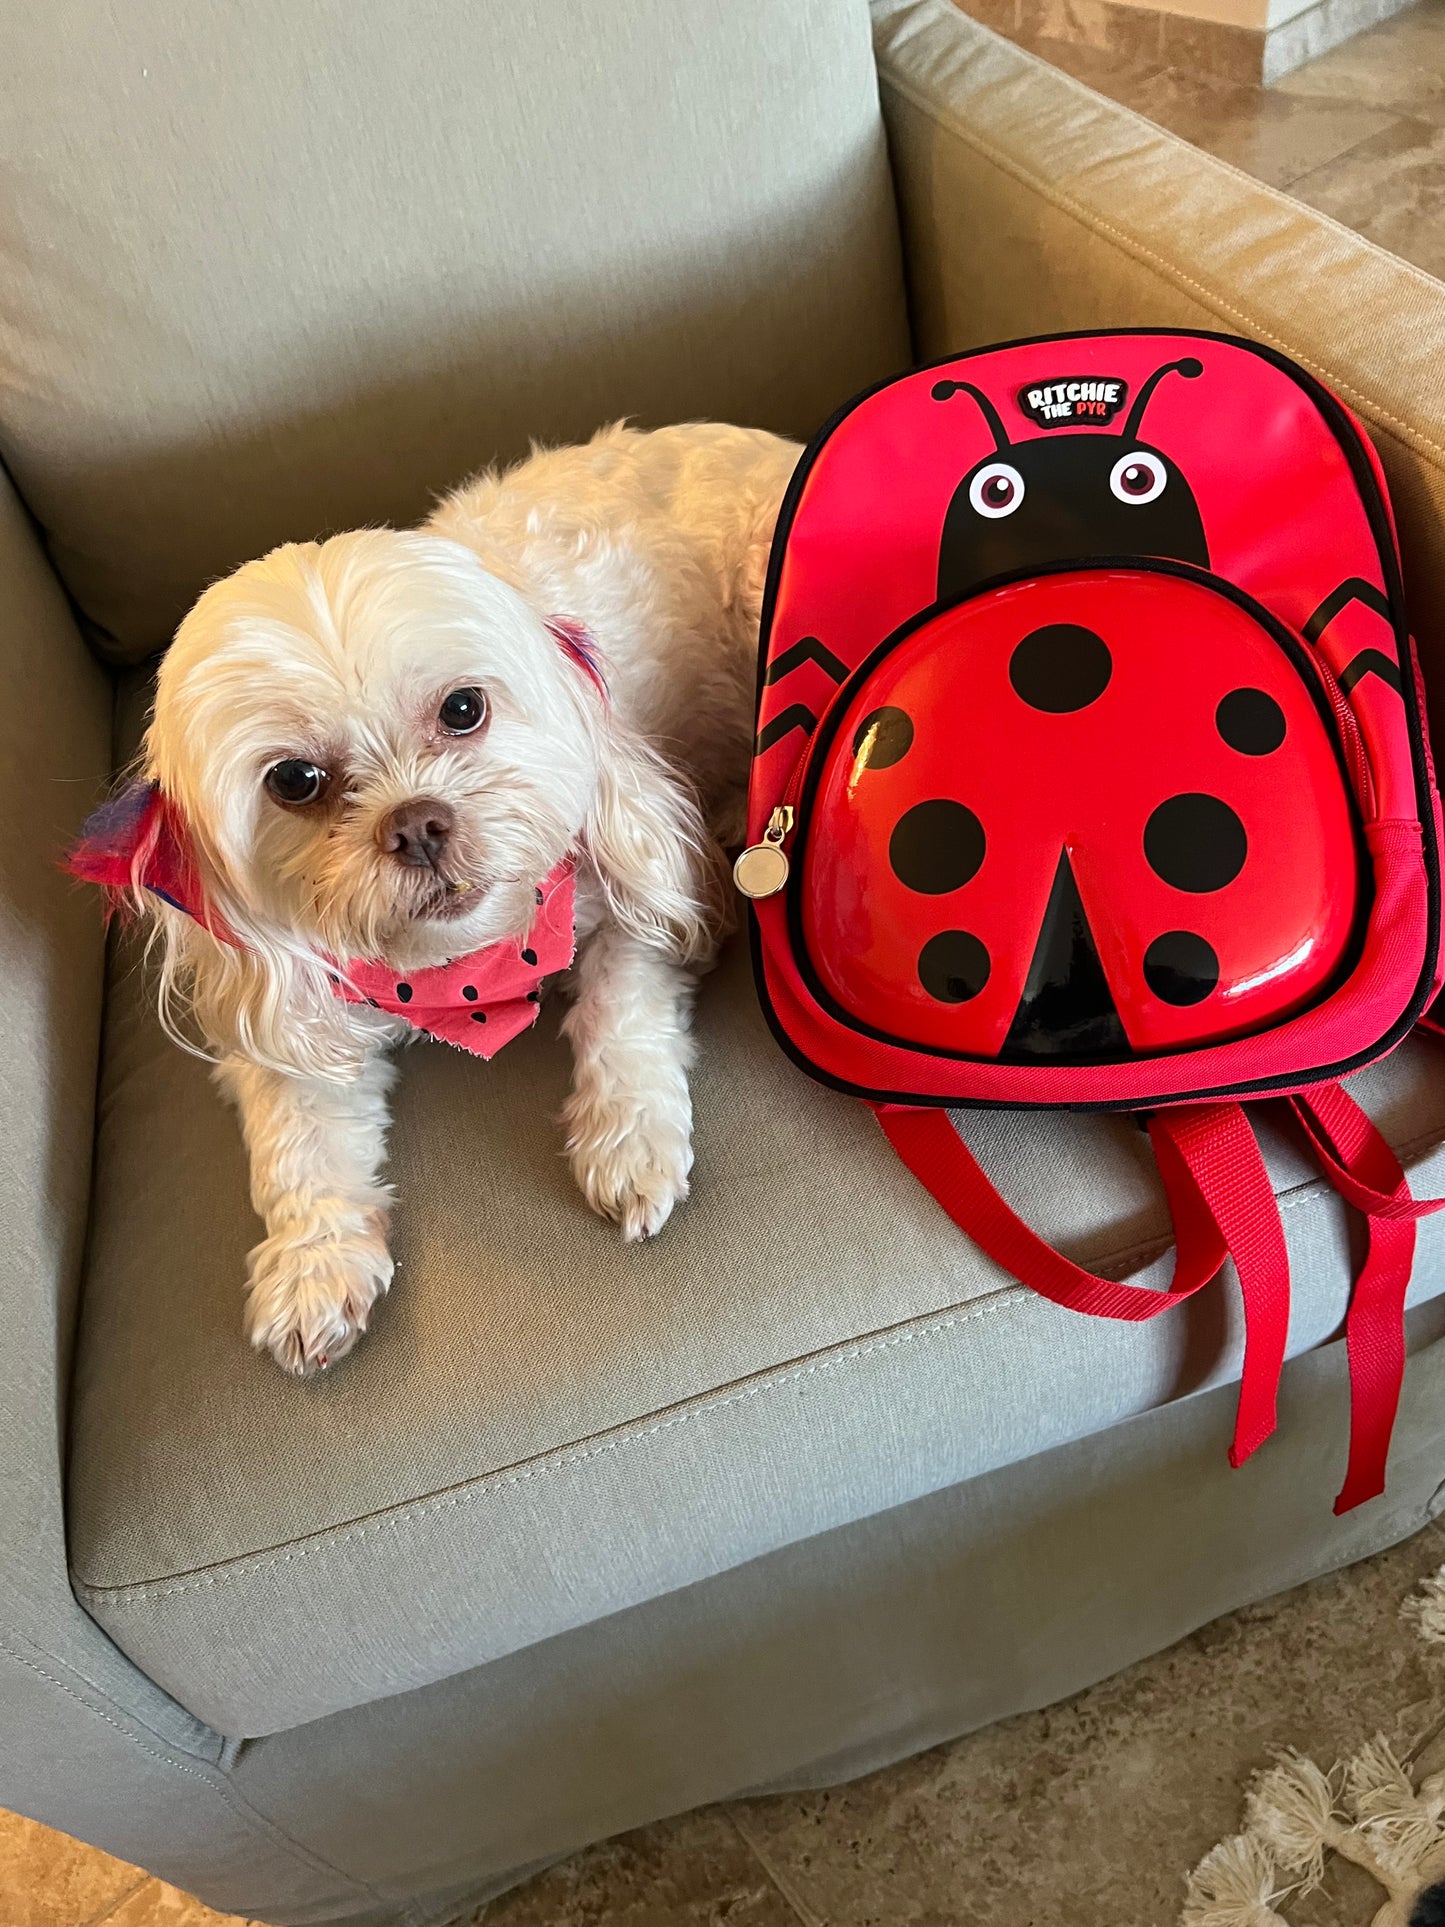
(1365, 1171)
(1217, 1146)
(1355, 1158)
(1221, 1202)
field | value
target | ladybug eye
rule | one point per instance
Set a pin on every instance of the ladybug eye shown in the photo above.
(996, 490)
(297, 783)
(1139, 477)
(462, 712)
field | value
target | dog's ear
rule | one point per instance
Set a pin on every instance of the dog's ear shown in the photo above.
(646, 838)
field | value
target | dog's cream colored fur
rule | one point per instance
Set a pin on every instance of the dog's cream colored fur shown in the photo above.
(340, 653)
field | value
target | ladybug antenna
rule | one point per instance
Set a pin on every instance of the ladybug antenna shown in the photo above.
(1190, 368)
(945, 390)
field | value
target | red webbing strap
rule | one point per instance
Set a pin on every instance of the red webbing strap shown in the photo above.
(943, 1164)
(1356, 1159)
(1216, 1143)
(1365, 1171)
(1221, 1203)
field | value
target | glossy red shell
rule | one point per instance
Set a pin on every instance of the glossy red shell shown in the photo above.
(1086, 780)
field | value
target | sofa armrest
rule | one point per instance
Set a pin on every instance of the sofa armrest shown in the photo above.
(74, 1713)
(1031, 205)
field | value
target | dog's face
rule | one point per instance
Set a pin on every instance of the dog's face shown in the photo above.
(377, 746)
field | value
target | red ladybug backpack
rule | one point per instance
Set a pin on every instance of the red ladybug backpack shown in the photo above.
(1091, 771)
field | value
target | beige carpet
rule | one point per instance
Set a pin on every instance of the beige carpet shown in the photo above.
(1373, 1812)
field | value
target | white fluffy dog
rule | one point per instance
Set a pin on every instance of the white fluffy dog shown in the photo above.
(379, 749)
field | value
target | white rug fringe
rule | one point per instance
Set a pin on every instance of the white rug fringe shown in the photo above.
(1233, 1886)
(1426, 1606)
(1401, 1827)
(1366, 1809)
(1291, 1807)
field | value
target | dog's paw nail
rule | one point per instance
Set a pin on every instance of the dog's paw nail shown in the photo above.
(633, 1171)
(309, 1298)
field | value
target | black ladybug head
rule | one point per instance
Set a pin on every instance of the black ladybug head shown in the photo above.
(1063, 497)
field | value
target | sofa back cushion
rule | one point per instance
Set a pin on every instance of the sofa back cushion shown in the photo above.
(278, 269)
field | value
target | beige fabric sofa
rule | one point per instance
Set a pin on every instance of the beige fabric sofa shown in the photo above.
(580, 1536)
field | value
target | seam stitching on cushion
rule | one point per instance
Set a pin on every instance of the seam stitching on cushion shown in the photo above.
(1307, 1191)
(411, 1511)
(95, 1712)
(1168, 270)
(219, 1785)
(495, 1482)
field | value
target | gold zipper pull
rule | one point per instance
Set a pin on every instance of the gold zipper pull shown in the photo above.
(762, 869)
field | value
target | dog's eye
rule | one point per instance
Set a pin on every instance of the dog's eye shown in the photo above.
(462, 712)
(296, 782)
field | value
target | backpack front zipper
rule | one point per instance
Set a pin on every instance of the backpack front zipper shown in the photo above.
(762, 868)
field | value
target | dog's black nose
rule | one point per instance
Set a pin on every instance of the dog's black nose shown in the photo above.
(417, 832)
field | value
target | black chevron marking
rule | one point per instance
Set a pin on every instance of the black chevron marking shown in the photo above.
(1353, 589)
(809, 649)
(1371, 662)
(795, 718)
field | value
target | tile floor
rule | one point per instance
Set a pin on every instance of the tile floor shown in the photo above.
(49, 1880)
(1088, 1814)
(1358, 134)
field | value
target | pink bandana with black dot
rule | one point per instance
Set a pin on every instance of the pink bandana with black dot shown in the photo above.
(482, 1001)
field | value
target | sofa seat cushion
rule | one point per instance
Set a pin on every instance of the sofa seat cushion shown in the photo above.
(545, 1425)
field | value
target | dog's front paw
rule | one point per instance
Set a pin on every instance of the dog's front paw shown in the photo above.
(310, 1293)
(631, 1164)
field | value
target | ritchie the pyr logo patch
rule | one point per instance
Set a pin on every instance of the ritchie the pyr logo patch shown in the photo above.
(1076, 398)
